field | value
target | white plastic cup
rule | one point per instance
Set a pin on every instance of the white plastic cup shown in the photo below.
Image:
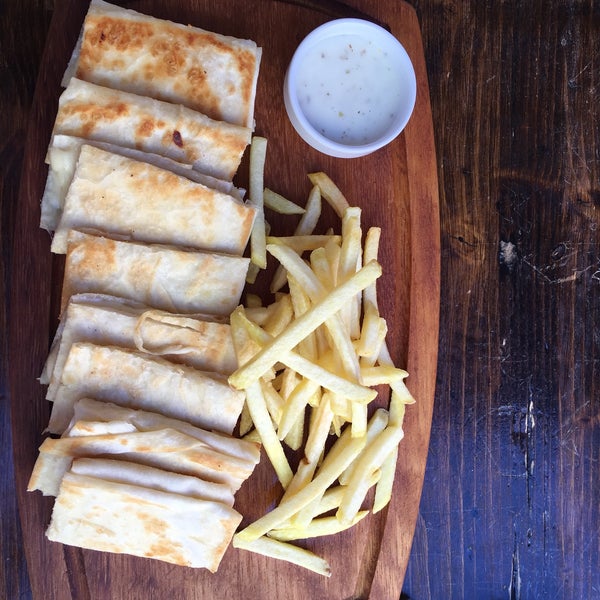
(308, 99)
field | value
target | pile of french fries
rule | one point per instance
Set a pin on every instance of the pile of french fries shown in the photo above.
(308, 364)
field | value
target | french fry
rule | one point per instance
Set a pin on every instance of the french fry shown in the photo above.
(323, 346)
(372, 336)
(330, 192)
(262, 421)
(370, 252)
(343, 452)
(273, 400)
(253, 301)
(295, 405)
(245, 421)
(295, 435)
(253, 436)
(307, 223)
(369, 461)
(280, 204)
(333, 496)
(349, 262)
(359, 419)
(319, 430)
(302, 476)
(316, 291)
(301, 303)
(253, 271)
(280, 317)
(383, 489)
(304, 243)
(381, 375)
(327, 307)
(316, 528)
(284, 551)
(378, 422)
(312, 212)
(258, 151)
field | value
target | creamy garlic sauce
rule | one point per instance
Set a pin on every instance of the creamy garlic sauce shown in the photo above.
(348, 89)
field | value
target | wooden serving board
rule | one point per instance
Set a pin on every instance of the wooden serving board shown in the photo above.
(397, 189)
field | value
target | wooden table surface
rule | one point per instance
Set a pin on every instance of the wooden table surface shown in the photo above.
(510, 503)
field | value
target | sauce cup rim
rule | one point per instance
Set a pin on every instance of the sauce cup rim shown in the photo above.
(305, 129)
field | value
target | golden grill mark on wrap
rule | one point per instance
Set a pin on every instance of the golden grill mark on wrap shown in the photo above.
(142, 202)
(90, 512)
(208, 72)
(164, 277)
(106, 115)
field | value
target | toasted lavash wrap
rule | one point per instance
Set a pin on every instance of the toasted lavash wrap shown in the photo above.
(125, 197)
(198, 341)
(169, 278)
(88, 409)
(211, 73)
(138, 380)
(62, 157)
(93, 513)
(165, 449)
(98, 113)
(123, 471)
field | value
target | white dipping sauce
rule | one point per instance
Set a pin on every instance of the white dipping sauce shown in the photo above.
(348, 89)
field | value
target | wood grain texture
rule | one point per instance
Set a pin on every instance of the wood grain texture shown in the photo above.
(509, 506)
(396, 187)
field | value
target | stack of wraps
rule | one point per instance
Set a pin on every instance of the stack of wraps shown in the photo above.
(150, 131)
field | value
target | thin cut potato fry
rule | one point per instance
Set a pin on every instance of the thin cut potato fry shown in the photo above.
(383, 489)
(260, 314)
(349, 261)
(304, 243)
(371, 459)
(383, 374)
(245, 421)
(316, 291)
(397, 386)
(302, 476)
(280, 204)
(295, 405)
(273, 400)
(319, 430)
(253, 436)
(307, 223)
(378, 422)
(295, 435)
(284, 551)
(341, 408)
(322, 375)
(323, 269)
(333, 496)
(252, 274)
(373, 332)
(301, 303)
(370, 252)
(311, 215)
(343, 452)
(301, 327)
(359, 419)
(253, 301)
(316, 528)
(398, 408)
(330, 192)
(262, 422)
(321, 345)
(258, 151)
(280, 317)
